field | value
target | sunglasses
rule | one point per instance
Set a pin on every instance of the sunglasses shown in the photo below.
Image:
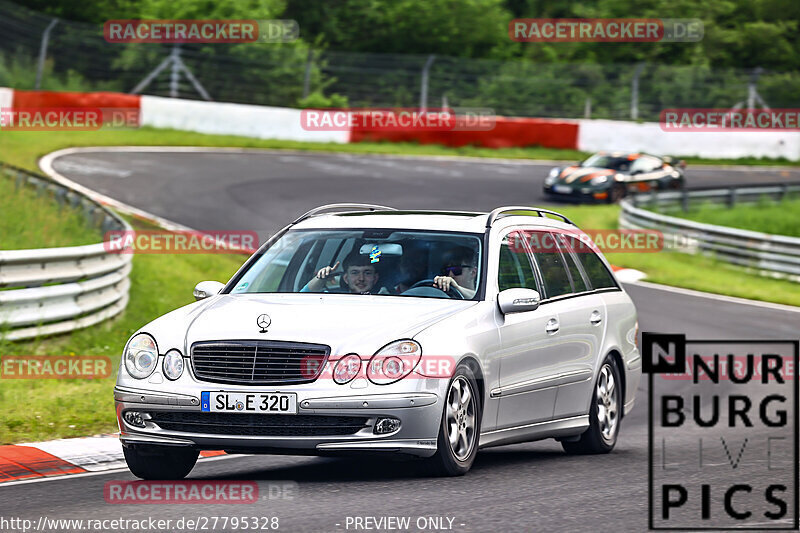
(456, 270)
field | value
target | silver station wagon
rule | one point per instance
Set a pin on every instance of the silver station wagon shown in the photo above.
(364, 329)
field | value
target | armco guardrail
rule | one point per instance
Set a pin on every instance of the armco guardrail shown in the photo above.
(55, 290)
(772, 255)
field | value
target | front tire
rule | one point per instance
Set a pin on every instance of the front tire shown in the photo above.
(159, 462)
(604, 416)
(460, 427)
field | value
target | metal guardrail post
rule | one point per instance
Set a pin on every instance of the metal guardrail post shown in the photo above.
(732, 197)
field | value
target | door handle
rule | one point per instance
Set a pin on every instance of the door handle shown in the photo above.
(596, 318)
(552, 326)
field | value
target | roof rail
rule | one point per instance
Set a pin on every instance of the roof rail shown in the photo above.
(367, 207)
(497, 213)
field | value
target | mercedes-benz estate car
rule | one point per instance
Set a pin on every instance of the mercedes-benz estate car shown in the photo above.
(363, 329)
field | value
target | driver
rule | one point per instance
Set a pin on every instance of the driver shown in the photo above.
(360, 276)
(460, 271)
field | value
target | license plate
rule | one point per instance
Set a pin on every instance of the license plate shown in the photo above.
(276, 403)
(562, 189)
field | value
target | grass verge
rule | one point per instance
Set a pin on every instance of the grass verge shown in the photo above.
(781, 218)
(31, 220)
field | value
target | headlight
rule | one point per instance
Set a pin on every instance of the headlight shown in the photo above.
(141, 356)
(552, 177)
(599, 180)
(346, 369)
(393, 362)
(173, 364)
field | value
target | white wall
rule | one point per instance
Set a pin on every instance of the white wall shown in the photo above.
(6, 98)
(594, 135)
(261, 122)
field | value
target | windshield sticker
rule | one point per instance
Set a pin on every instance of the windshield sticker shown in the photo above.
(374, 254)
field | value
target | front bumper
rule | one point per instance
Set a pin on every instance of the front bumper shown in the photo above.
(419, 413)
(583, 195)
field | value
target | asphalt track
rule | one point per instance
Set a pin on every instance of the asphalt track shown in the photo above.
(527, 487)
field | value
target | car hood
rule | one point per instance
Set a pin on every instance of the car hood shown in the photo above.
(347, 323)
(580, 176)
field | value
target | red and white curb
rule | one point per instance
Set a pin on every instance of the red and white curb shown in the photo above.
(60, 457)
(628, 275)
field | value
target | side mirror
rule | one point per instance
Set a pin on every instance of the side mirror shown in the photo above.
(518, 300)
(204, 289)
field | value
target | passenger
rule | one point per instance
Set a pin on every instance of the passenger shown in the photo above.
(359, 276)
(460, 271)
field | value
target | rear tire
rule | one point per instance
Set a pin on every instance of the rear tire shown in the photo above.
(676, 185)
(460, 426)
(604, 415)
(159, 462)
(617, 193)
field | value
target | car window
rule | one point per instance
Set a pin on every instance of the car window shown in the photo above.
(645, 164)
(515, 270)
(551, 265)
(568, 244)
(598, 274)
(367, 261)
(607, 161)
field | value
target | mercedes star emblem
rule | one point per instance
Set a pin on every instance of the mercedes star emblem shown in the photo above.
(263, 321)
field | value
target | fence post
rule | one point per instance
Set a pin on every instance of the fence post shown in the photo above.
(307, 75)
(732, 197)
(684, 199)
(175, 71)
(43, 52)
(587, 108)
(635, 91)
(423, 93)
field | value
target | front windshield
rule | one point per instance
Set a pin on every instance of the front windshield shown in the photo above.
(368, 261)
(607, 161)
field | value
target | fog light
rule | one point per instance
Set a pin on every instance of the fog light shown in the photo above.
(386, 425)
(134, 418)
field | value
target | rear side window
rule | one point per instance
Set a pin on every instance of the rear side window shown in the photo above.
(598, 274)
(551, 265)
(515, 269)
(577, 278)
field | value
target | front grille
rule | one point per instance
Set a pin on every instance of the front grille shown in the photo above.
(259, 425)
(258, 362)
